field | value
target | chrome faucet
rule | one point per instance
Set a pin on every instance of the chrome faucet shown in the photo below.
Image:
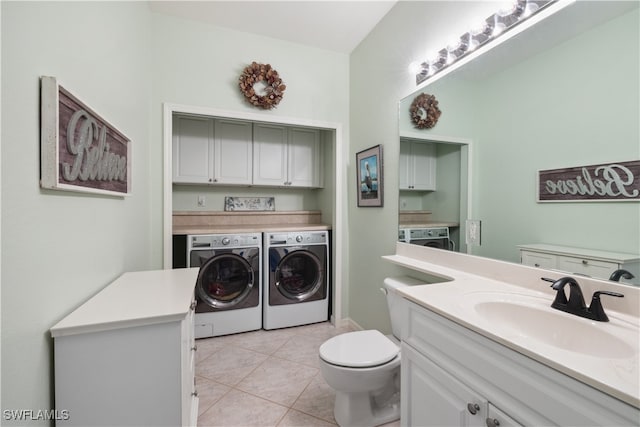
(575, 304)
(621, 273)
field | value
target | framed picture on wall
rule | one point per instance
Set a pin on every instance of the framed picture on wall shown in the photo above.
(370, 177)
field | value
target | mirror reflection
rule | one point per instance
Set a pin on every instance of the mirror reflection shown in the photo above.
(564, 93)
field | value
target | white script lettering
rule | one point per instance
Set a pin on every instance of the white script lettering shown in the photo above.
(91, 162)
(617, 180)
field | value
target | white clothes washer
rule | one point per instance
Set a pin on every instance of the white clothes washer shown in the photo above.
(229, 286)
(296, 278)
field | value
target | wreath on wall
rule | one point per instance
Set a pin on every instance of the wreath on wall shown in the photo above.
(424, 111)
(261, 85)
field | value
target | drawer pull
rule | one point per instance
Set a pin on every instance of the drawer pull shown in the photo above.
(492, 422)
(473, 408)
(585, 262)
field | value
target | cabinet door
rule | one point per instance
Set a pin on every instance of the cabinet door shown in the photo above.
(586, 266)
(405, 157)
(304, 158)
(233, 152)
(192, 150)
(432, 397)
(417, 166)
(423, 159)
(269, 155)
(189, 392)
(536, 259)
(497, 418)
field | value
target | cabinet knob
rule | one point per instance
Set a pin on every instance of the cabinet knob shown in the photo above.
(585, 262)
(492, 422)
(194, 348)
(194, 394)
(536, 265)
(210, 180)
(473, 408)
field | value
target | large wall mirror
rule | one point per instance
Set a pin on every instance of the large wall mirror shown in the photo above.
(564, 93)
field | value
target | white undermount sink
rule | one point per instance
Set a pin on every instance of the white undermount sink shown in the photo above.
(531, 318)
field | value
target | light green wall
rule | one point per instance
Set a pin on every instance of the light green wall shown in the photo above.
(379, 79)
(198, 65)
(59, 249)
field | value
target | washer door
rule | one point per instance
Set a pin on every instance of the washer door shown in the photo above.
(299, 276)
(225, 281)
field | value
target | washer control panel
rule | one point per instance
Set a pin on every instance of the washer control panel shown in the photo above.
(207, 241)
(294, 238)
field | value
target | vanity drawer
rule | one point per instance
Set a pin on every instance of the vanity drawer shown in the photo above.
(586, 266)
(537, 259)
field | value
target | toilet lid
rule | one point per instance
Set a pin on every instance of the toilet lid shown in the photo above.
(359, 349)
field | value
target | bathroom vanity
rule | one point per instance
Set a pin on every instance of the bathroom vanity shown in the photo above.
(484, 347)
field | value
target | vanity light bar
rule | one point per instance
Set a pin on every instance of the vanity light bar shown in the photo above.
(488, 30)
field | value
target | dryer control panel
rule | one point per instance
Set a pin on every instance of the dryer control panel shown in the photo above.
(293, 238)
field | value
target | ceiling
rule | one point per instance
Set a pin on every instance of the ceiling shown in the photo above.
(337, 26)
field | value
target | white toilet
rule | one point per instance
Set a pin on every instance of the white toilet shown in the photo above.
(363, 367)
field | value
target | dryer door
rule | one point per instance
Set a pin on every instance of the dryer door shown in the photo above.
(299, 276)
(228, 281)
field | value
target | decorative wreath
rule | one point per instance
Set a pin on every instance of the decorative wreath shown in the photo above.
(273, 86)
(424, 111)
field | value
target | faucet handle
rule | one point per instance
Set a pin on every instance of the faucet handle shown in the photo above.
(561, 297)
(596, 305)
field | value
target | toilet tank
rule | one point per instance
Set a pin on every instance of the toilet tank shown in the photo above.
(398, 305)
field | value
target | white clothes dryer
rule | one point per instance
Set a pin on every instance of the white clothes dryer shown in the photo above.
(296, 278)
(229, 286)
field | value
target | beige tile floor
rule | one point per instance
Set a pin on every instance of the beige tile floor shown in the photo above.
(265, 378)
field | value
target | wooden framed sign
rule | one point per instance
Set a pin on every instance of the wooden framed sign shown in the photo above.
(79, 150)
(610, 182)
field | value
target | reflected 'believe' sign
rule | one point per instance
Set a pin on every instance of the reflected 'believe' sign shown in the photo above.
(604, 182)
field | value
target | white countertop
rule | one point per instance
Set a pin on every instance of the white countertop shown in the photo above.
(247, 228)
(615, 374)
(134, 299)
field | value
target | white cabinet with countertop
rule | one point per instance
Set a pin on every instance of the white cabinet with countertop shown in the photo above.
(483, 346)
(417, 165)
(586, 262)
(286, 156)
(211, 151)
(126, 357)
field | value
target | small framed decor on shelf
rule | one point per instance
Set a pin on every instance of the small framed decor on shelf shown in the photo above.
(370, 177)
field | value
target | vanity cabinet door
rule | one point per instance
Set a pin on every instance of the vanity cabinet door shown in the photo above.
(432, 397)
(497, 418)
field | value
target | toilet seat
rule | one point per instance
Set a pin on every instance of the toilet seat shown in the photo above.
(361, 349)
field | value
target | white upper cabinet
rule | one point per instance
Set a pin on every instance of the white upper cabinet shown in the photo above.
(233, 152)
(286, 156)
(417, 166)
(270, 154)
(211, 151)
(304, 157)
(192, 150)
